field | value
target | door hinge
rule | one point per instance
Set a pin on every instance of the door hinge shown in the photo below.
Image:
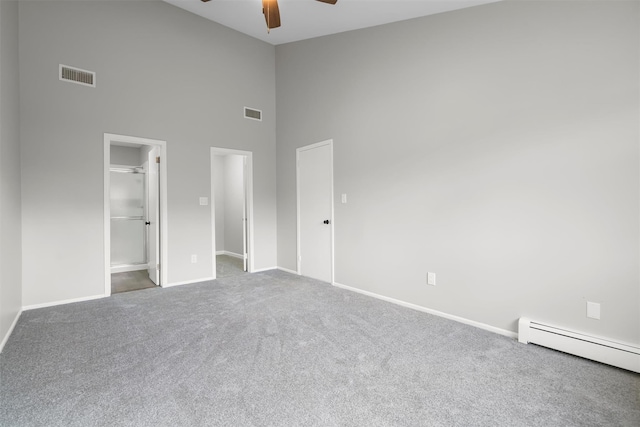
(157, 266)
(158, 159)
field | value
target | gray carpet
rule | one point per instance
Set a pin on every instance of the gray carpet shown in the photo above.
(228, 266)
(273, 349)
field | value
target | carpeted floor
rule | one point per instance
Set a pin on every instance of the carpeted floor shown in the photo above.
(274, 349)
(228, 266)
(130, 281)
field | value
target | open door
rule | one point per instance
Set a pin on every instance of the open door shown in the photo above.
(245, 256)
(153, 216)
(155, 213)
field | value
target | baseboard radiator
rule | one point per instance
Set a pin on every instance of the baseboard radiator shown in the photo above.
(612, 353)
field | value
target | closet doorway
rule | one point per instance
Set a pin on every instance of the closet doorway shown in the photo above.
(135, 213)
(231, 212)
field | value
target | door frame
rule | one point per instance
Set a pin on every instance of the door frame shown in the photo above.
(248, 178)
(134, 141)
(328, 142)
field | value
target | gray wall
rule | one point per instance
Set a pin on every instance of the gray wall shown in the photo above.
(234, 199)
(125, 156)
(10, 221)
(496, 146)
(162, 73)
(219, 194)
(229, 194)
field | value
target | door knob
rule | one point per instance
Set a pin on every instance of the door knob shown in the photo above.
(147, 223)
(326, 221)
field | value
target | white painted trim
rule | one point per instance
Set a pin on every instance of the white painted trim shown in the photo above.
(123, 167)
(10, 331)
(328, 142)
(106, 205)
(298, 256)
(249, 196)
(127, 268)
(262, 270)
(233, 254)
(135, 141)
(615, 353)
(430, 311)
(286, 270)
(62, 302)
(189, 282)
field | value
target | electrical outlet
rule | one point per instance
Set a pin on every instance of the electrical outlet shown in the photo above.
(194, 259)
(431, 279)
(593, 310)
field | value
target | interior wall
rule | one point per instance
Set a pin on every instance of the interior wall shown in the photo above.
(144, 155)
(233, 205)
(125, 156)
(185, 80)
(219, 194)
(496, 146)
(229, 197)
(10, 179)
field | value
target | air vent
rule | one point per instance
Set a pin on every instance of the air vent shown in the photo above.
(76, 75)
(253, 114)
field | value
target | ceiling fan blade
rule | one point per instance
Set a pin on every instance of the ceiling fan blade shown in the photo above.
(204, 1)
(323, 1)
(271, 13)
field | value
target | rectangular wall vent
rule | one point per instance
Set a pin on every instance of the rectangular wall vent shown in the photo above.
(253, 114)
(78, 76)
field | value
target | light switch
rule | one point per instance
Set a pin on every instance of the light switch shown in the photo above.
(344, 198)
(204, 201)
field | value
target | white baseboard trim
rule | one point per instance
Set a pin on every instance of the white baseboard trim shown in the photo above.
(286, 270)
(127, 268)
(233, 254)
(188, 282)
(484, 326)
(13, 325)
(622, 355)
(260, 270)
(67, 301)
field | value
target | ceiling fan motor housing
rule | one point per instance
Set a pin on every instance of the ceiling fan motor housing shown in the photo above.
(272, 13)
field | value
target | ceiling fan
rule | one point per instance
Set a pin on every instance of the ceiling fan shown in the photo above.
(272, 13)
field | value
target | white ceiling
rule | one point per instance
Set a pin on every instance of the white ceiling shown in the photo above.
(305, 19)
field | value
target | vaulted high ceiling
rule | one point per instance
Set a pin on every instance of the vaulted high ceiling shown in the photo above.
(304, 19)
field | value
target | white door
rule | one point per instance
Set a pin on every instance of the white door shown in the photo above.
(153, 216)
(315, 211)
(245, 257)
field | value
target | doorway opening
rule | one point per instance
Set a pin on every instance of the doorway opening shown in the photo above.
(135, 213)
(129, 217)
(231, 212)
